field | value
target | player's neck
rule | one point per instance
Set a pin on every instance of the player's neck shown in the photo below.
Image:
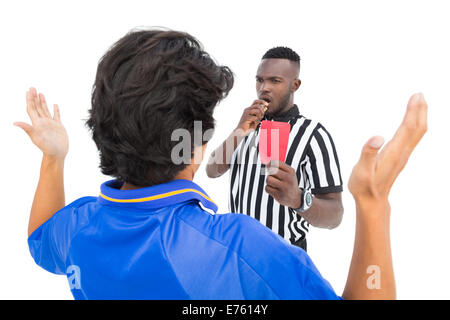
(186, 174)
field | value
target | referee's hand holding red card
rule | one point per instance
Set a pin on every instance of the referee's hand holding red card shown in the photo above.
(282, 184)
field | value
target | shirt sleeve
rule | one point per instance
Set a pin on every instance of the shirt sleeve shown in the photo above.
(49, 244)
(321, 166)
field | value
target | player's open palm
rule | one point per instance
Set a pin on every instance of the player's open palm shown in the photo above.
(375, 173)
(46, 132)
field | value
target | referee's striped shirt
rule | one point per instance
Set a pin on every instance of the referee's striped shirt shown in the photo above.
(311, 152)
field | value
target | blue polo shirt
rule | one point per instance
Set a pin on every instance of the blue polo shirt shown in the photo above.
(166, 242)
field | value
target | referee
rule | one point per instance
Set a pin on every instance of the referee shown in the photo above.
(302, 191)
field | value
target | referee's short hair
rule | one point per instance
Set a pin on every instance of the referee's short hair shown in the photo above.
(148, 84)
(282, 53)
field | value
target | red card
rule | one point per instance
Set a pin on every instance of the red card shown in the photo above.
(273, 140)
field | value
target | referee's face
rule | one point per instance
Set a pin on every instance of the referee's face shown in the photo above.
(276, 82)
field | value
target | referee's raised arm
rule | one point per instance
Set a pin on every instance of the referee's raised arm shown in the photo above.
(219, 160)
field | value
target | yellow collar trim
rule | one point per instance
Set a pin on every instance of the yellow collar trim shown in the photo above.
(156, 197)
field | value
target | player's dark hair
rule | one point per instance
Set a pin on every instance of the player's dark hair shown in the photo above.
(282, 53)
(148, 84)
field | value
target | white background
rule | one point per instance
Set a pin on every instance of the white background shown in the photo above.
(361, 61)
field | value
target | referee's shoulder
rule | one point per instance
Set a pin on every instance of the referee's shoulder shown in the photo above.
(315, 123)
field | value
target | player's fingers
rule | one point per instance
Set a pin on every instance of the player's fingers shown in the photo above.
(37, 103)
(56, 113)
(31, 108)
(369, 153)
(25, 126)
(414, 124)
(43, 105)
(396, 153)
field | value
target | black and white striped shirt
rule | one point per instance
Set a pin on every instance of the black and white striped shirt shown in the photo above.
(311, 152)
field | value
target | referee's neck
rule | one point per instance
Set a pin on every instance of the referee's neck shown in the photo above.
(284, 114)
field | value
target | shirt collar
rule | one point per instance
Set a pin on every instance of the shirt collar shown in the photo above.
(153, 197)
(285, 117)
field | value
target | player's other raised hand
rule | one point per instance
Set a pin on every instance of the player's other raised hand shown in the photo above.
(45, 131)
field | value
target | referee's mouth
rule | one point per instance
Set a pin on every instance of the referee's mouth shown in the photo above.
(266, 99)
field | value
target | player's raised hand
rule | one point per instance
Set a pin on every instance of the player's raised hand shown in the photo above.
(375, 172)
(45, 131)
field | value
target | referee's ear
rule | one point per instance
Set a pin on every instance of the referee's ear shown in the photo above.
(296, 84)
